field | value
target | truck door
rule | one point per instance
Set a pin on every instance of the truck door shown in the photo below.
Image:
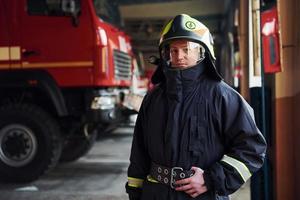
(9, 37)
(4, 36)
(51, 40)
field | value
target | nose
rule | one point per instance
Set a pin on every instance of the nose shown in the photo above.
(180, 54)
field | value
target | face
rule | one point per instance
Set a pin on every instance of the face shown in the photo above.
(184, 54)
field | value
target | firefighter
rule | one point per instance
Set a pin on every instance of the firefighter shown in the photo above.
(195, 137)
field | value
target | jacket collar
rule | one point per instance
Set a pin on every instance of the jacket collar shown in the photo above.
(182, 81)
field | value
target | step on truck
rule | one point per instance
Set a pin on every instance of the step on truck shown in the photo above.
(64, 72)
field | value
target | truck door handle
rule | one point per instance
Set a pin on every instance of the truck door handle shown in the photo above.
(27, 53)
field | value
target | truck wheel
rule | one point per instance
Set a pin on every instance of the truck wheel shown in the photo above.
(77, 146)
(30, 143)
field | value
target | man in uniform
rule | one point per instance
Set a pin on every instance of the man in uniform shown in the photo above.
(195, 137)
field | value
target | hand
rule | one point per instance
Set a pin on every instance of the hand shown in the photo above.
(193, 186)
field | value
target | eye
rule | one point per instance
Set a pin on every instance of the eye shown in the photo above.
(174, 51)
(185, 50)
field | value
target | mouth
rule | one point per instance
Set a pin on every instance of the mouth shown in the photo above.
(180, 65)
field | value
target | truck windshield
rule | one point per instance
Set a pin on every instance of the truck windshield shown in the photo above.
(108, 11)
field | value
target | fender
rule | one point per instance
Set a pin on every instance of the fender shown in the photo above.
(35, 78)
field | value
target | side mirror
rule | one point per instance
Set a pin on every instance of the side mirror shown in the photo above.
(69, 8)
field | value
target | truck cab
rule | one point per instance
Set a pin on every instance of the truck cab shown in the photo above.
(64, 71)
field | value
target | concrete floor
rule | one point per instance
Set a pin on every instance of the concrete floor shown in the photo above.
(100, 175)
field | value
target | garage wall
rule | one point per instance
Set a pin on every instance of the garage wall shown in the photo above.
(287, 103)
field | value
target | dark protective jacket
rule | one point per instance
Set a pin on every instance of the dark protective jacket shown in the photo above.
(191, 119)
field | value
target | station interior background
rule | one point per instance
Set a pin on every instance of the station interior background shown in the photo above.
(274, 96)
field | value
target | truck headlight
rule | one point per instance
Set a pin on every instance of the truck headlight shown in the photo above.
(103, 102)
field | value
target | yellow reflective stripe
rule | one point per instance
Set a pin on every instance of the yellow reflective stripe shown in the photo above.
(10, 53)
(135, 182)
(58, 64)
(150, 179)
(104, 59)
(4, 53)
(239, 166)
(167, 28)
(15, 53)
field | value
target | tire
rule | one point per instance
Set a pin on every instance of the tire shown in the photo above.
(77, 146)
(30, 142)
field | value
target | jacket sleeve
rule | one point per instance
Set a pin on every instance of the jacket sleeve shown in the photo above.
(244, 145)
(139, 159)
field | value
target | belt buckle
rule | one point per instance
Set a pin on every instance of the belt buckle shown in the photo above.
(173, 174)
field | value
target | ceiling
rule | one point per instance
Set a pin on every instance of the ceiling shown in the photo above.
(143, 20)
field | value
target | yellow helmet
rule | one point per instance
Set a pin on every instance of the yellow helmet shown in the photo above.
(185, 27)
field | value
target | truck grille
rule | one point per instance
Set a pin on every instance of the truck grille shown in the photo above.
(122, 65)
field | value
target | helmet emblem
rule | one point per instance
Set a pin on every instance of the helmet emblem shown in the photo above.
(190, 25)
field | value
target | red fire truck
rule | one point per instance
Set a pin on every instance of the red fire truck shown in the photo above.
(63, 74)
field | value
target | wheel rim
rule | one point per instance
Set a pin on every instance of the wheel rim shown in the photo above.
(18, 145)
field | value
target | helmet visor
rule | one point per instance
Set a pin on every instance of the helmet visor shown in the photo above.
(182, 53)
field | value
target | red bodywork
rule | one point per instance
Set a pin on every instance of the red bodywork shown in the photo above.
(75, 56)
